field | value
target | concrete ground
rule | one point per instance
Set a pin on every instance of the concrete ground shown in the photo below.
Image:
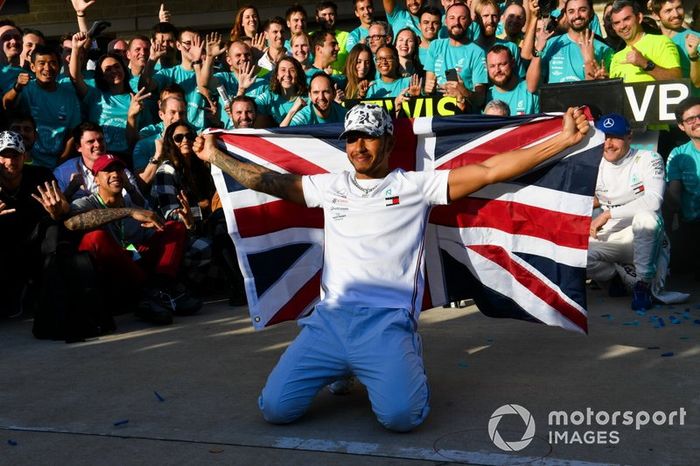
(187, 393)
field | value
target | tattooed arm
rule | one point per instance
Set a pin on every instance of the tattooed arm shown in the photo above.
(282, 185)
(98, 217)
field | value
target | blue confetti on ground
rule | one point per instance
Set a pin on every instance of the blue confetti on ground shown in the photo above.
(463, 364)
(489, 340)
(160, 398)
(696, 321)
(674, 320)
(633, 323)
(607, 316)
(660, 323)
(12, 442)
(685, 338)
(641, 313)
(121, 423)
(667, 355)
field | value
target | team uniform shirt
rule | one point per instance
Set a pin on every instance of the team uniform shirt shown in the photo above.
(65, 171)
(373, 247)
(659, 49)
(109, 111)
(684, 165)
(423, 54)
(337, 77)
(679, 40)
(469, 60)
(56, 114)
(308, 116)
(150, 130)
(187, 79)
(356, 36)
(275, 105)
(632, 185)
(8, 76)
(380, 89)
(519, 99)
(562, 60)
(230, 82)
(401, 18)
(144, 150)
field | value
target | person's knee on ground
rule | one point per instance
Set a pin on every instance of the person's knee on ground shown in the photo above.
(278, 411)
(403, 415)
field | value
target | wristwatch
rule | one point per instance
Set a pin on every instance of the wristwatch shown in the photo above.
(649, 66)
(154, 160)
(536, 53)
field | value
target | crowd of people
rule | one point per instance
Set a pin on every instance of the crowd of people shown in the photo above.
(103, 139)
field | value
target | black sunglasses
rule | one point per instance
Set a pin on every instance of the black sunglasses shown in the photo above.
(179, 137)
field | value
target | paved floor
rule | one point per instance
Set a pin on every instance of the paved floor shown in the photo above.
(186, 394)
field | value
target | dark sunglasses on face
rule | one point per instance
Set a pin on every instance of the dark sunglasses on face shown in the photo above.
(179, 137)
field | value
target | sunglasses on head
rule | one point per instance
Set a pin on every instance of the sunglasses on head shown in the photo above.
(179, 137)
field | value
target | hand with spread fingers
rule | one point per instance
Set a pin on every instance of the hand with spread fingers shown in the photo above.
(148, 219)
(185, 212)
(52, 199)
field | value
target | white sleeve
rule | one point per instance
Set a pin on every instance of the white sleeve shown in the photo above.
(314, 186)
(433, 185)
(652, 172)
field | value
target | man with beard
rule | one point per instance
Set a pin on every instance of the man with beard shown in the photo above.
(487, 18)
(646, 57)
(322, 107)
(505, 84)
(456, 53)
(373, 266)
(243, 112)
(672, 15)
(567, 57)
(683, 191)
(326, 16)
(403, 17)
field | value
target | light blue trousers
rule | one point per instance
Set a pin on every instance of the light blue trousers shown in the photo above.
(380, 346)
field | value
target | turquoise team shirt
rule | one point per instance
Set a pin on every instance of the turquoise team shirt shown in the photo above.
(380, 89)
(469, 60)
(562, 60)
(356, 36)
(56, 114)
(519, 99)
(401, 18)
(679, 40)
(684, 165)
(230, 82)
(8, 76)
(109, 111)
(275, 105)
(196, 103)
(307, 115)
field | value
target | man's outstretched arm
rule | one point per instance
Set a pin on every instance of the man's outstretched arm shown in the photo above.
(252, 176)
(465, 180)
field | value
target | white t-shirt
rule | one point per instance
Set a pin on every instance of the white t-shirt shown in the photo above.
(633, 184)
(373, 252)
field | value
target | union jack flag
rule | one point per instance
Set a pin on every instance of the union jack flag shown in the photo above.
(517, 248)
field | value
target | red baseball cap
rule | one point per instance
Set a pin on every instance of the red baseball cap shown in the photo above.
(106, 161)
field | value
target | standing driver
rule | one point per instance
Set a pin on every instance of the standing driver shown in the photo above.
(373, 276)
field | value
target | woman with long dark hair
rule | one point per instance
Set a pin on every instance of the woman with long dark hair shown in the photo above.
(359, 71)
